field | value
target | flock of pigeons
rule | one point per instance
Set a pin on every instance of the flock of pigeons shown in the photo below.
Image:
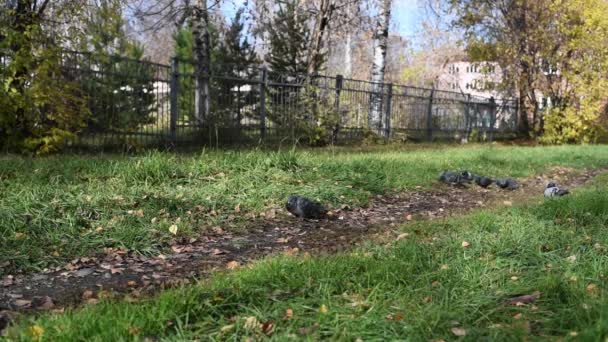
(466, 177)
(304, 208)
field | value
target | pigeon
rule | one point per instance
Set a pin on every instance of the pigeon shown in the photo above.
(482, 181)
(452, 178)
(507, 183)
(552, 190)
(305, 208)
(467, 176)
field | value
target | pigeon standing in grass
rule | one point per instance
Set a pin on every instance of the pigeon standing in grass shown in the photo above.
(552, 190)
(483, 182)
(452, 178)
(507, 183)
(305, 208)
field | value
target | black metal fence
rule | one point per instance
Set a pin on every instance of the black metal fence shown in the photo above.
(138, 104)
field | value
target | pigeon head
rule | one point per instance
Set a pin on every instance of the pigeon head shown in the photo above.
(467, 175)
(551, 185)
(292, 202)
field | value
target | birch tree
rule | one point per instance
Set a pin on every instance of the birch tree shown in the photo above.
(380, 36)
(202, 59)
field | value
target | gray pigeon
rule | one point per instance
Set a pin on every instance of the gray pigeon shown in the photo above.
(483, 182)
(467, 176)
(452, 178)
(507, 183)
(305, 208)
(552, 190)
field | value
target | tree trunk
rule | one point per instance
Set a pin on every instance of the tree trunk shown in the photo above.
(348, 62)
(315, 51)
(374, 117)
(202, 57)
(527, 100)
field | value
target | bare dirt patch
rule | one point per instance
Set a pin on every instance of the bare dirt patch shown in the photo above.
(120, 273)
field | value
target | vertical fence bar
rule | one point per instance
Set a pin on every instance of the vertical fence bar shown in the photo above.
(264, 76)
(387, 112)
(429, 116)
(174, 93)
(336, 131)
(492, 117)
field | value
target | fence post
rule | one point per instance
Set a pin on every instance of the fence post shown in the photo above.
(263, 103)
(174, 92)
(429, 116)
(387, 112)
(336, 130)
(492, 117)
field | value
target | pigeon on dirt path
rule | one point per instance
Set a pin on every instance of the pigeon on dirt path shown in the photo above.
(507, 183)
(483, 181)
(452, 178)
(467, 176)
(305, 208)
(552, 190)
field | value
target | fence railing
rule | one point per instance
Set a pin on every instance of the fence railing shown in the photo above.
(137, 103)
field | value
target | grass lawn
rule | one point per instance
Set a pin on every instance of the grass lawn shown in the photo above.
(55, 209)
(423, 287)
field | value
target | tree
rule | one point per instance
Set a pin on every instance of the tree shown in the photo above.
(40, 109)
(378, 65)
(512, 33)
(202, 58)
(288, 39)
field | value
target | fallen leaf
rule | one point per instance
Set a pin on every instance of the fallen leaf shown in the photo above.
(237, 209)
(282, 240)
(47, 303)
(288, 314)
(323, 309)
(87, 294)
(23, 302)
(459, 331)
(116, 270)
(525, 299)
(571, 258)
(408, 217)
(517, 316)
(251, 323)
(216, 251)
(465, 244)
(267, 328)
(514, 278)
(591, 288)
(445, 267)
(131, 283)
(92, 301)
(19, 236)
(227, 328)
(402, 236)
(36, 331)
(271, 214)
(83, 272)
(509, 203)
(232, 265)
(173, 229)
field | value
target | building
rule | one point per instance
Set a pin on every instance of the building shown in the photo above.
(475, 78)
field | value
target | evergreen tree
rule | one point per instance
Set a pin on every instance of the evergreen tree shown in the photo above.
(289, 37)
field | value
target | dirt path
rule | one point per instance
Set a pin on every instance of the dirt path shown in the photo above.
(118, 273)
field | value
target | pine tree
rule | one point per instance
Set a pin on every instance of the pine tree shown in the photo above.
(289, 38)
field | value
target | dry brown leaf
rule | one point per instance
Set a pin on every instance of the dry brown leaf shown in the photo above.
(173, 229)
(92, 301)
(251, 323)
(47, 303)
(131, 283)
(232, 265)
(237, 209)
(267, 328)
(408, 217)
(216, 251)
(282, 240)
(459, 331)
(518, 316)
(525, 299)
(23, 302)
(288, 314)
(402, 236)
(465, 244)
(87, 294)
(591, 288)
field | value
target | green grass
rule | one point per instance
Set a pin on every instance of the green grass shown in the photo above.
(57, 208)
(417, 288)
